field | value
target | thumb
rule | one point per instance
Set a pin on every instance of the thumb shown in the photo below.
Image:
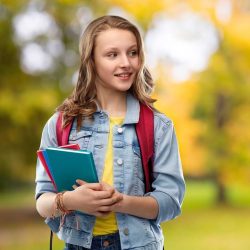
(80, 182)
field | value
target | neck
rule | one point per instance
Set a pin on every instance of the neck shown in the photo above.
(114, 104)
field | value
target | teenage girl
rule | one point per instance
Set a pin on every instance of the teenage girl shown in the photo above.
(115, 213)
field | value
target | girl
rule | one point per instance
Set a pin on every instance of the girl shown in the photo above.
(104, 106)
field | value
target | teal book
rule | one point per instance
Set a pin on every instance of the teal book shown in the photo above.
(67, 165)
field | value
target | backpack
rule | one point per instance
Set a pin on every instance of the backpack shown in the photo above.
(145, 134)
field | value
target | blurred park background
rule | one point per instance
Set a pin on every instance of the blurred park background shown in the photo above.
(199, 54)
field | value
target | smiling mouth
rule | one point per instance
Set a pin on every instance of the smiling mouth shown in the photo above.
(124, 75)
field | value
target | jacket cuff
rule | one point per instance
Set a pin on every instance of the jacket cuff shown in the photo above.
(168, 208)
(53, 223)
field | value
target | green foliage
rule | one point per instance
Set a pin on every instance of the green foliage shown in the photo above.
(22, 116)
(222, 107)
(26, 101)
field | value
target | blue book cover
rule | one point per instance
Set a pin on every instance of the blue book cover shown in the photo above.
(67, 165)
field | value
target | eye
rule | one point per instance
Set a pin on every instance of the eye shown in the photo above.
(112, 54)
(133, 53)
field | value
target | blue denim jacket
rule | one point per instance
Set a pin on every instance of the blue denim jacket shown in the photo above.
(168, 182)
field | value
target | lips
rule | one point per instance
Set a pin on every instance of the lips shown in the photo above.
(124, 75)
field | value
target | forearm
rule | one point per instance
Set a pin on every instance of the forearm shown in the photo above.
(144, 207)
(45, 205)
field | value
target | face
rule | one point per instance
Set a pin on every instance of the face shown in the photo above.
(116, 60)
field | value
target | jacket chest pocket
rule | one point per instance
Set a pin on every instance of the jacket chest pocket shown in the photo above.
(82, 138)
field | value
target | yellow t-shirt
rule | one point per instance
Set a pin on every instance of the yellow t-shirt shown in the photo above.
(108, 224)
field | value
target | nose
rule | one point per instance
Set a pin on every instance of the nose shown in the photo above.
(124, 62)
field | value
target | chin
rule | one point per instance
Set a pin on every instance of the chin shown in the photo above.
(124, 86)
(124, 89)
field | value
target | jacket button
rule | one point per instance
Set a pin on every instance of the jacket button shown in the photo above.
(120, 130)
(119, 161)
(126, 231)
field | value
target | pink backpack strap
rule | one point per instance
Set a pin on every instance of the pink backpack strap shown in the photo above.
(145, 135)
(62, 133)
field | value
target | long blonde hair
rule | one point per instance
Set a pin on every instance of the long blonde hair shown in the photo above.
(82, 102)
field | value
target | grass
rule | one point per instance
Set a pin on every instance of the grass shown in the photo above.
(207, 226)
(219, 228)
(202, 225)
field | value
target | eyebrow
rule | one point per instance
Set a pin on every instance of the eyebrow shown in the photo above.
(115, 48)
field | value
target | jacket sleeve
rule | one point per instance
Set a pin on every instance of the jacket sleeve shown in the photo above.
(43, 183)
(168, 182)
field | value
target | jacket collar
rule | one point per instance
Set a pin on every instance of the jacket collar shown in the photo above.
(133, 110)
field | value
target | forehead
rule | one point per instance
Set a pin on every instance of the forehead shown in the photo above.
(115, 38)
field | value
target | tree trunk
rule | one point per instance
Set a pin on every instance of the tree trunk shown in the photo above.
(221, 193)
(221, 116)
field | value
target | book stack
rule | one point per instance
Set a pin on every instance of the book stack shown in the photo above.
(64, 165)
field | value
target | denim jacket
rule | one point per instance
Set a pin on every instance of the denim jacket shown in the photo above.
(168, 183)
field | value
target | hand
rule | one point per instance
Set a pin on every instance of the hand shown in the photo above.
(91, 198)
(116, 196)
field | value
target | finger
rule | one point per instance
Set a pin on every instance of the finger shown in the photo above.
(107, 187)
(119, 196)
(107, 202)
(100, 195)
(115, 207)
(101, 214)
(74, 186)
(110, 201)
(94, 186)
(80, 182)
(104, 209)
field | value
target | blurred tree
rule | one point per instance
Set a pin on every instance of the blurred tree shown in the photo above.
(26, 102)
(223, 105)
(27, 99)
(214, 139)
(211, 109)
